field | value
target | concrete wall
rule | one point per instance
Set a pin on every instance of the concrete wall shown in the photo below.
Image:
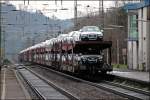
(148, 46)
(140, 40)
(148, 42)
(129, 48)
(132, 55)
(130, 59)
(144, 40)
(139, 52)
(135, 55)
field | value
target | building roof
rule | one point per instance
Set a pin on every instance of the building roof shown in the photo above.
(134, 6)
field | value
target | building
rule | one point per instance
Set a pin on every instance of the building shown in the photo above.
(139, 35)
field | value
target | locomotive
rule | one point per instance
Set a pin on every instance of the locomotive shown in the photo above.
(69, 53)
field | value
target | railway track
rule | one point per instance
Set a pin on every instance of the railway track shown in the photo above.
(128, 87)
(125, 91)
(122, 90)
(43, 88)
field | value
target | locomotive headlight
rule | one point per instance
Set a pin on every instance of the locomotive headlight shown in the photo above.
(83, 59)
(100, 57)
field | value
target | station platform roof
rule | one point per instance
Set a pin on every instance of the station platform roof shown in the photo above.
(135, 6)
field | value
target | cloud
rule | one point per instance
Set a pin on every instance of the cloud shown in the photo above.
(51, 8)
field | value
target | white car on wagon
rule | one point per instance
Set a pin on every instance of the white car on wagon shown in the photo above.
(91, 33)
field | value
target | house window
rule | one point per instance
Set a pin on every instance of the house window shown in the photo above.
(133, 31)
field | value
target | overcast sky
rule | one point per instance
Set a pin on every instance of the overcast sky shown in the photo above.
(48, 8)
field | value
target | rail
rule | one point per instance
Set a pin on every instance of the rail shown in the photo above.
(124, 91)
(40, 93)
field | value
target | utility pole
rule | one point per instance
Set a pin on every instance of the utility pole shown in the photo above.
(56, 2)
(117, 51)
(75, 14)
(0, 40)
(101, 12)
(102, 15)
(61, 2)
(25, 2)
(116, 4)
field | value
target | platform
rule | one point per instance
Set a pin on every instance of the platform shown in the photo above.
(11, 86)
(134, 75)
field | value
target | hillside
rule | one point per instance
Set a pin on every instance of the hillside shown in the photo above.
(22, 29)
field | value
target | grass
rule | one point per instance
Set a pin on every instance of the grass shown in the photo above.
(120, 66)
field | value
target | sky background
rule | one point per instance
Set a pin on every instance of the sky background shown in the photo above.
(48, 8)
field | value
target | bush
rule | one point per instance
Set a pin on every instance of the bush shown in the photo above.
(121, 66)
(6, 62)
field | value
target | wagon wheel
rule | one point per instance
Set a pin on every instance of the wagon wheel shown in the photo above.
(103, 72)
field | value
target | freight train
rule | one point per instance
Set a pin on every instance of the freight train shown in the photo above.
(69, 53)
